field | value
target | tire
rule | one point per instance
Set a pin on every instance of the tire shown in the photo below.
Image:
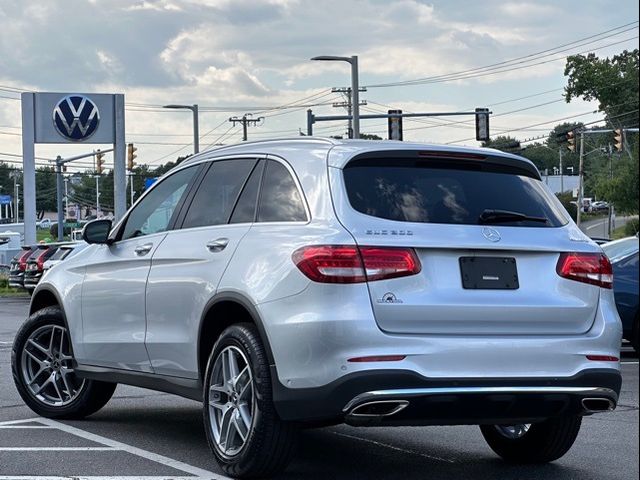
(269, 442)
(82, 398)
(543, 442)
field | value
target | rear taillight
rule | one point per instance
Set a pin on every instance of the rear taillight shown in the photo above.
(592, 268)
(351, 264)
(40, 261)
(22, 261)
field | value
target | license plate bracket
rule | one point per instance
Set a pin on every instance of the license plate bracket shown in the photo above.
(489, 273)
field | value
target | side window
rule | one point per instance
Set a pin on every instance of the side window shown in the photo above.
(153, 214)
(280, 199)
(218, 192)
(245, 209)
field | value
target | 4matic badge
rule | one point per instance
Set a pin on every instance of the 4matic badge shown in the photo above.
(388, 298)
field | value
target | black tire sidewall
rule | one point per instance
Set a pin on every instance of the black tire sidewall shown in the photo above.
(244, 337)
(544, 442)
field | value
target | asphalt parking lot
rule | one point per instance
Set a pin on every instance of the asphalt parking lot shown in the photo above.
(149, 435)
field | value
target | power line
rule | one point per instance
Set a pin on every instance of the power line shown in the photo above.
(514, 61)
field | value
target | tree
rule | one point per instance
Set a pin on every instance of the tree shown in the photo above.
(613, 82)
(46, 190)
(504, 143)
(369, 136)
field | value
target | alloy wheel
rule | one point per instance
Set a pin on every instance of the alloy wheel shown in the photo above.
(47, 368)
(513, 431)
(231, 401)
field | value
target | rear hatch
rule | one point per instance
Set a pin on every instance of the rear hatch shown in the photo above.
(488, 235)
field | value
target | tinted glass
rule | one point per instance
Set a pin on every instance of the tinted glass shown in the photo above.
(415, 191)
(245, 209)
(61, 253)
(153, 214)
(218, 192)
(280, 199)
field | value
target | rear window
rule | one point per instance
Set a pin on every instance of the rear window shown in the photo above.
(61, 253)
(449, 192)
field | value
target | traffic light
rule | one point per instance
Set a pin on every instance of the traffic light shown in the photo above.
(571, 139)
(131, 155)
(619, 138)
(99, 161)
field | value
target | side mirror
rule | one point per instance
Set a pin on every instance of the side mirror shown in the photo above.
(97, 231)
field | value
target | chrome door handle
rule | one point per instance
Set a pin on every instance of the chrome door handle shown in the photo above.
(217, 245)
(143, 249)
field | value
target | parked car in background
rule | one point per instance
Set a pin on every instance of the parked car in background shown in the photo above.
(35, 265)
(600, 206)
(624, 259)
(64, 251)
(18, 266)
(44, 224)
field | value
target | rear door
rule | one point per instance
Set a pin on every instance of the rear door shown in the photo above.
(189, 264)
(493, 276)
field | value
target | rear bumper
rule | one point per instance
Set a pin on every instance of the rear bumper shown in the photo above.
(31, 281)
(415, 400)
(16, 280)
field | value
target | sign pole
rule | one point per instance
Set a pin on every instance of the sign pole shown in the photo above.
(119, 160)
(28, 168)
(59, 188)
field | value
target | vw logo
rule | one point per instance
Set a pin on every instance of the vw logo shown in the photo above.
(76, 117)
(491, 234)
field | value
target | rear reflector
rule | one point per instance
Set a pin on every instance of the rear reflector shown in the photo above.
(352, 264)
(602, 358)
(592, 268)
(378, 358)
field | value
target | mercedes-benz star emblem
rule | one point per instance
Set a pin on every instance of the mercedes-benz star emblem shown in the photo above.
(491, 234)
(76, 117)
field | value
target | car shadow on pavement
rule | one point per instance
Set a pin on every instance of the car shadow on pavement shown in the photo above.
(329, 453)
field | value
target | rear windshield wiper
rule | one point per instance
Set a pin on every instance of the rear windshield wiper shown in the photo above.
(499, 216)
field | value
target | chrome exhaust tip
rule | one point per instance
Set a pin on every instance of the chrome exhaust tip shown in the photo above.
(595, 405)
(378, 409)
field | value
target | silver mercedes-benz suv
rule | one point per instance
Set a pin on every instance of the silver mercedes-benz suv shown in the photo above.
(307, 282)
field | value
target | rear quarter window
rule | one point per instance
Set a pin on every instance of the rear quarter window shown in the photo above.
(454, 192)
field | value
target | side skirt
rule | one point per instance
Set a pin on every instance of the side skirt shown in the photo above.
(184, 387)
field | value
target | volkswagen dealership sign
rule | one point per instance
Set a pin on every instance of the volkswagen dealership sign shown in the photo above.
(71, 118)
(76, 117)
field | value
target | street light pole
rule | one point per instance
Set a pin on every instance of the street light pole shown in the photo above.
(355, 87)
(355, 96)
(196, 127)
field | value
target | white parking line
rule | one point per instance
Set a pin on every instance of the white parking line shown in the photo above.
(629, 363)
(57, 449)
(5, 427)
(111, 445)
(95, 477)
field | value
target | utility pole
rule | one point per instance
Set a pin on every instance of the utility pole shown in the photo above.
(97, 177)
(131, 187)
(561, 171)
(347, 103)
(245, 120)
(66, 197)
(59, 188)
(580, 180)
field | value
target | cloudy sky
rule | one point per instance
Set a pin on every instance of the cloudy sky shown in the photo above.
(248, 56)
